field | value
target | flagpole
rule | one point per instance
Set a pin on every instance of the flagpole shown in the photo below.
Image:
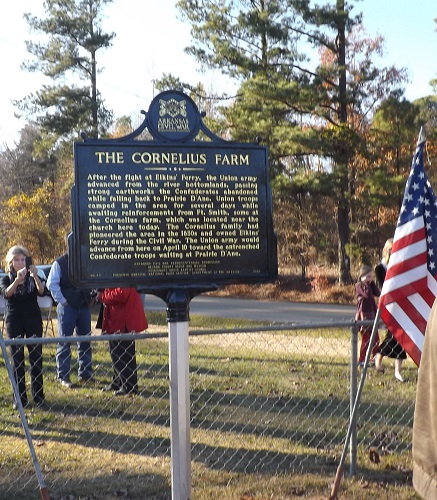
(421, 138)
(340, 467)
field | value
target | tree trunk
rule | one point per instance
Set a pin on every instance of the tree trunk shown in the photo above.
(94, 103)
(344, 275)
(342, 153)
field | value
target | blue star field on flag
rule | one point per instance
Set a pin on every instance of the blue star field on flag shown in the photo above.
(419, 200)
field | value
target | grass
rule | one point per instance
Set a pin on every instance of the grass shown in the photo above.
(269, 412)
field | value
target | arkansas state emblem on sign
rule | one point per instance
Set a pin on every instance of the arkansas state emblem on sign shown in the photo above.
(173, 116)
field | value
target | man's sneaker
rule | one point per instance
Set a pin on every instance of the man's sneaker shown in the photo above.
(66, 383)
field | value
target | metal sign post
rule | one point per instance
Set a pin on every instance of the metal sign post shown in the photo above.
(177, 317)
(178, 301)
(180, 411)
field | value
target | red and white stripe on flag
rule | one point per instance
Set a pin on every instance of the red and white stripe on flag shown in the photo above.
(409, 288)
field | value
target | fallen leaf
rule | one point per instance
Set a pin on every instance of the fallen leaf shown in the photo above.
(374, 456)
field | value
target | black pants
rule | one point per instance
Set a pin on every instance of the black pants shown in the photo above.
(26, 326)
(125, 364)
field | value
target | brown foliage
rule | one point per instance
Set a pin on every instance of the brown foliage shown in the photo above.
(292, 288)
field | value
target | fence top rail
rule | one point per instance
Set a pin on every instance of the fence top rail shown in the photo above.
(74, 339)
(223, 331)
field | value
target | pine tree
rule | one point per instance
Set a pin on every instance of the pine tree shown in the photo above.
(299, 89)
(73, 37)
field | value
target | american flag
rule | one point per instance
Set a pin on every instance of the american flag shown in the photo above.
(410, 286)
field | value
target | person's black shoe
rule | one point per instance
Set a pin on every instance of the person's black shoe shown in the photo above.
(125, 392)
(24, 403)
(110, 387)
(120, 392)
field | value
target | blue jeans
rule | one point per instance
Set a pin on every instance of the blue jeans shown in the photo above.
(69, 319)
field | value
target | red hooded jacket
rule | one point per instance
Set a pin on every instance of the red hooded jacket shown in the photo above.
(123, 312)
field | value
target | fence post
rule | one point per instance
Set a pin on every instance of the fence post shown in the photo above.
(353, 395)
(43, 489)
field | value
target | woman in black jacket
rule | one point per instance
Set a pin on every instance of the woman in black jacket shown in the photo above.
(21, 287)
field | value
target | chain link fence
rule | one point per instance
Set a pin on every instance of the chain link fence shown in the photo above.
(269, 400)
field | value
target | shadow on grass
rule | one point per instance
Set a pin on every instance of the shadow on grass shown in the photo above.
(258, 428)
(117, 485)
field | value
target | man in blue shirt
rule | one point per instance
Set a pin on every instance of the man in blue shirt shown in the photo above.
(74, 313)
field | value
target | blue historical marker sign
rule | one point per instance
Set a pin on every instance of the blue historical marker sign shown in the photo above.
(171, 211)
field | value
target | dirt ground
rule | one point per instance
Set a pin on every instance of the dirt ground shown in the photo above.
(297, 344)
(291, 287)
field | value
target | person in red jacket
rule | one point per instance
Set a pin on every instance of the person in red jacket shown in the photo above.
(123, 312)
